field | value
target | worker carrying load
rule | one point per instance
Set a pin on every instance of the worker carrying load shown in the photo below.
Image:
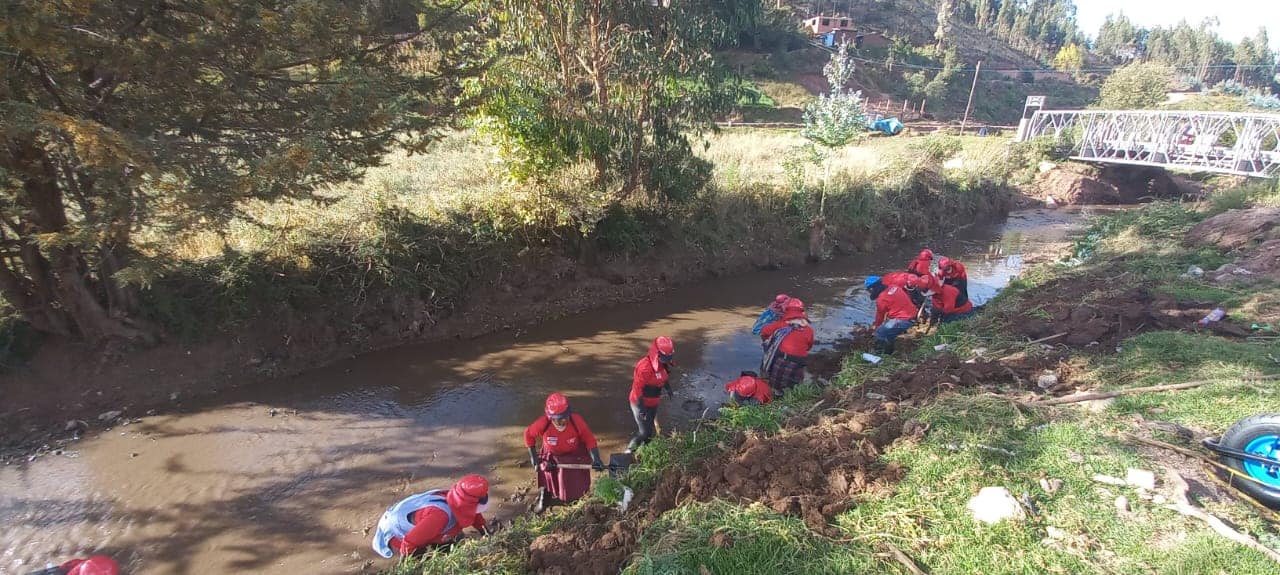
(895, 312)
(922, 265)
(749, 389)
(787, 344)
(567, 446)
(771, 313)
(946, 300)
(649, 379)
(952, 273)
(93, 565)
(419, 522)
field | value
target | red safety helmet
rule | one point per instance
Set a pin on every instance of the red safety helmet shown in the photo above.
(468, 492)
(781, 299)
(944, 262)
(666, 349)
(557, 406)
(95, 565)
(794, 304)
(926, 254)
(747, 386)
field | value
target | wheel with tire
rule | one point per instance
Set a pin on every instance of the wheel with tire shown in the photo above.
(1257, 435)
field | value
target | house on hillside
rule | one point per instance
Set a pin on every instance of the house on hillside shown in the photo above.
(821, 25)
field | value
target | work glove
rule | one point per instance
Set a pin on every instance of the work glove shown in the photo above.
(596, 463)
(533, 457)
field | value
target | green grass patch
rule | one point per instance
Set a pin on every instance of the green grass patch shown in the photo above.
(721, 537)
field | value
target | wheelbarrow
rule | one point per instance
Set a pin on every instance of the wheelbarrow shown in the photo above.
(1250, 450)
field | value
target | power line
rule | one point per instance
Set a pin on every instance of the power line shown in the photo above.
(886, 63)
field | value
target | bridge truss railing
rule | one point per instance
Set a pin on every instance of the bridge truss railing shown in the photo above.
(1244, 144)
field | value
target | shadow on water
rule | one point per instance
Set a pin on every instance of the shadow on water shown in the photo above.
(288, 478)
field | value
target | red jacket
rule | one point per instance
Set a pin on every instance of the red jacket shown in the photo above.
(575, 437)
(428, 529)
(747, 386)
(651, 374)
(796, 343)
(894, 303)
(957, 272)
(945, 301)
(919, 266)
(895, 279)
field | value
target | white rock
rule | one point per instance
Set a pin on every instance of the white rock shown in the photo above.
(1051, 485)
(1122, 504)
(1107, 479)
(1047, 380)
(953, 164)
(1046, 166)
(995, 504)
(627, 495)
(1141, 478)
(1055, 533)
(1195, 271)
(110, 416)
(1159, 499)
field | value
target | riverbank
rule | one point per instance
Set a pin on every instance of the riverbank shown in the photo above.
(875, 472)
(438, 249)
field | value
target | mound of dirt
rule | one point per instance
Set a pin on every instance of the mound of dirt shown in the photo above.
(1074, 184)
(1235, 229)
(1103, 322)
(1261, 263)
(599, 543)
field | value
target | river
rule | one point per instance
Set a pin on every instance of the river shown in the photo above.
(289, 477)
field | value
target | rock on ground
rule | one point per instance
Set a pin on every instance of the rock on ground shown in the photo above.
(1235, 229)
(995, 504)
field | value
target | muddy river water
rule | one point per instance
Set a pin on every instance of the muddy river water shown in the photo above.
(289, 478)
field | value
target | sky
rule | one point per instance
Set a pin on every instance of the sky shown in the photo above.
(1237, 18)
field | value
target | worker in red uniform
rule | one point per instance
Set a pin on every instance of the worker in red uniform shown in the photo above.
(566, 439)
(94, 565)
(947, 306)
(877, 284)
(749, 389)
(895, 312)
(649, 379)
(952, 273)
(436, 517)
(789, 340)
(923, 264)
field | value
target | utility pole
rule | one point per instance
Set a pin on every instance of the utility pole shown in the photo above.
(965, 122)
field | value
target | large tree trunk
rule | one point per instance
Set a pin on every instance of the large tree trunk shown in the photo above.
(63, 276)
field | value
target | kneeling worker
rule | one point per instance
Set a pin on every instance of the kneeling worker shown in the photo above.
(952, 273)
(566, 439)
(749, 389)
(948, 305)
(436, 517)
(895, 313)
(788, 342)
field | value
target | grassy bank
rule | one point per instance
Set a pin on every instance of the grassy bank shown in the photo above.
(984, 432)
(424, 231)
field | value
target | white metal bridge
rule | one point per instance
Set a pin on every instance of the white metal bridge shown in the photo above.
(1245, 144)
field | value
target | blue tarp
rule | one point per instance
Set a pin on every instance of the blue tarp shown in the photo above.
(887, 126)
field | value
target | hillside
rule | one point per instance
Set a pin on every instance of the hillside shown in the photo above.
(905, 66)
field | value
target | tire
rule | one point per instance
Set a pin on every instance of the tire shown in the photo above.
(1258, 434)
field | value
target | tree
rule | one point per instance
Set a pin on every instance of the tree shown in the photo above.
(832, 121)
(946, 8)
(1070, 59)
(115, 116)
(1136, 86)
(1119, 40)
(619, 83)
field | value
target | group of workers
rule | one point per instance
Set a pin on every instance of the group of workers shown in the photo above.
(568, 451)
(918, 295)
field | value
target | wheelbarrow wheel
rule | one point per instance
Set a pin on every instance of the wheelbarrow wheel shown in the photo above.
(1259, 435)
